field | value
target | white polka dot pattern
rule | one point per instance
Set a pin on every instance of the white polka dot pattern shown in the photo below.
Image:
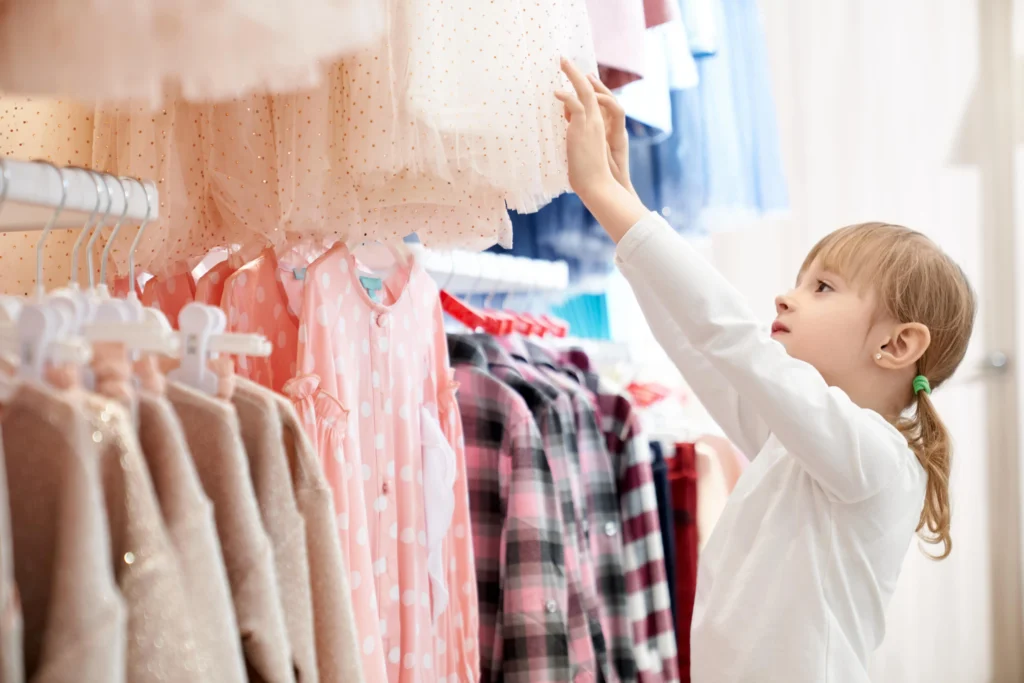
(385, 537)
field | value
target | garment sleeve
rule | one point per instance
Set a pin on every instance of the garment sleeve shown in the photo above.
(851, 452)
(726, 405)
(463, 615)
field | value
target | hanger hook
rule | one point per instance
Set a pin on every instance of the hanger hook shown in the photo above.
(40, 288)
(138, 235)
(113, 234)
(494, 287)
(5, 181)
(87, 228)
(90, 248)
(451, 273)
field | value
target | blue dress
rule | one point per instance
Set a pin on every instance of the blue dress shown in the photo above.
(742, 159)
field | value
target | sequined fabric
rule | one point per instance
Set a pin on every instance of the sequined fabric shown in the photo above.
(214, 437)
(12, 663)
(161, 643)
(188, 514)
(75, 618)
(264, 444)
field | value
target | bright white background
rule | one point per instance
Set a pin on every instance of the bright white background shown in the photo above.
(904, 111)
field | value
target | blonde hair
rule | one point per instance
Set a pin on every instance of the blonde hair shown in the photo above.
(914, 281)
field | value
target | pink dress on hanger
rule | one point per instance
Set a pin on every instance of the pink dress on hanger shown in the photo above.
(256, 302)
(385, 359)
(170, 294)
(210, 286)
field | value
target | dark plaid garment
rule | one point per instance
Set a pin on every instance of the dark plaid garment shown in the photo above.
(648, 583)
(533, 611)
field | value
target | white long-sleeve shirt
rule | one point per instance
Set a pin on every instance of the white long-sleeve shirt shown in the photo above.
(794, 582)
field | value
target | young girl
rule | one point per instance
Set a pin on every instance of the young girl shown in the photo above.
(852, 457)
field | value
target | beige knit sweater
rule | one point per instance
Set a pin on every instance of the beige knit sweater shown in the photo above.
(161, 644)
(264, 444)
(74, 615)
(337, 641)
(12, 658)
(188, 514)
(214, 438)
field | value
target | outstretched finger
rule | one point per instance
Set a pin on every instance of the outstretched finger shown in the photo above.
(584, 90)
(599, 86)
(572, 104)
(611, 105)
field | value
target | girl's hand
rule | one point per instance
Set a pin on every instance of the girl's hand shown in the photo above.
(590, 170)
(615, 132)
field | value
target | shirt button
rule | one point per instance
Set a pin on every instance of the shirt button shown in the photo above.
(610, 529)
(384, 487)
(382, 320)
(551, 607)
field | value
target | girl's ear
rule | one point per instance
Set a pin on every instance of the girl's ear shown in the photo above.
(904, 347)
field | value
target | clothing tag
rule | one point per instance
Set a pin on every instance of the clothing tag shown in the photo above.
(372, 285)
(299, 273)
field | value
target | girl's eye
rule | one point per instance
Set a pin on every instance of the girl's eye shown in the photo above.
(824, 287)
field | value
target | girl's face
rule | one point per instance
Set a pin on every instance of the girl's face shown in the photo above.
(828, 322)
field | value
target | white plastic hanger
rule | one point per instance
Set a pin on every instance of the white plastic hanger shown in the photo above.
(127, 321)
(203, 338)
(10, 306)
(72, 292)
(44, 327)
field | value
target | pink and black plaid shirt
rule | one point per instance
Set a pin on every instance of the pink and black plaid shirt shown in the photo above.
(647, 581)
(534, 626)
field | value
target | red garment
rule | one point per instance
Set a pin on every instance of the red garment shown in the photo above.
(682, 475)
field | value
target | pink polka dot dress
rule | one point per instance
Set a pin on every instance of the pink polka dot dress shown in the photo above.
(384, 357)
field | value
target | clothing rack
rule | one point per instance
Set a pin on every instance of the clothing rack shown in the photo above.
(465, 272)
(31, 190)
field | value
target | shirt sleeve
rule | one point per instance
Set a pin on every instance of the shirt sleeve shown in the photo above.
(727, 407)
(851, 452)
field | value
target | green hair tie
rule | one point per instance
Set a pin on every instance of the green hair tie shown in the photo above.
(921, 384)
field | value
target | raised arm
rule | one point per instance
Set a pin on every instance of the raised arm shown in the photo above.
(850, 451)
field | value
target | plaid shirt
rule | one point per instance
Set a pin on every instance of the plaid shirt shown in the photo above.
(647, 582)
(532, 615)
(604, 521)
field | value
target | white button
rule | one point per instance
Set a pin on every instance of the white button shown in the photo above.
(610, 529)
(551, 607)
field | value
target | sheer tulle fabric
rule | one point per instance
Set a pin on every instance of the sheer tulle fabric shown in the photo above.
(254, 172)
(432, 131)
(461, 96)
(210, 49)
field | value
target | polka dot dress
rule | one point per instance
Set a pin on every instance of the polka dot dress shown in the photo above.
(385, 358)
